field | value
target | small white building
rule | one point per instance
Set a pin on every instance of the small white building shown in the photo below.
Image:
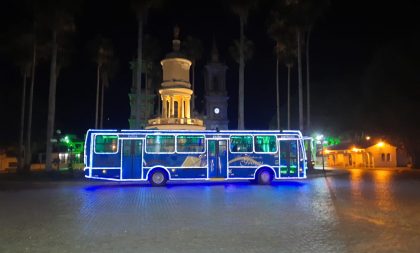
(383, 154)
(378, 155)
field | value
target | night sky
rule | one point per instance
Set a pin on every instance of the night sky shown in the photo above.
(345, 43)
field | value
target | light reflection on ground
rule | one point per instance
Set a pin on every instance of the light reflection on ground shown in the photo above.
(354, 211)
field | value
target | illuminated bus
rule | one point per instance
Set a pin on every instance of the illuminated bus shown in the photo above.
(161, 155)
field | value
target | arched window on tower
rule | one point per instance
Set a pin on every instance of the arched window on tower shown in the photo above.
(176, 109)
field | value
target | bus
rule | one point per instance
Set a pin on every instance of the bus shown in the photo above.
(158, 156)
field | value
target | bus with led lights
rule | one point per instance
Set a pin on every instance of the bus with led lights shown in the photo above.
(158, 156)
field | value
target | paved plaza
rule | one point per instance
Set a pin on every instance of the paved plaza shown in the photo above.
(348, 211)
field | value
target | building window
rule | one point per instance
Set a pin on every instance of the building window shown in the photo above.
(190, 143)
(241, 144)
(265, 144)
(160, 143)
(383, 157)
(388, 157)
(106, 144)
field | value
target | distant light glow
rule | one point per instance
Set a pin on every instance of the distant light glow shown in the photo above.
(380, 144)
(319, 137)
(367, 138)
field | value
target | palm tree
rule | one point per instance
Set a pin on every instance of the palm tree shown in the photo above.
(38, 52)
(141, 7)
(292, 17)
(102, 52)
(302, 15)
(21, 51)
(276, 32)
(312, 11)
(286, 53)
(193, 48)
(28, 149)
(61, 23)
(241, 8)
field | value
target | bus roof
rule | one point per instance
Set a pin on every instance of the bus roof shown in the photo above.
(221, 132)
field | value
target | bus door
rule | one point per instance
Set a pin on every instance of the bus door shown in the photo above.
(289, 157)
(217, 157)
(132, 159)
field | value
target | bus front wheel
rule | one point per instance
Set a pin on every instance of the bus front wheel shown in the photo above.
(264, 177)
(158, 178)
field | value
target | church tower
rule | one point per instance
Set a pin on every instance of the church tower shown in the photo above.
(215, 92)
(175, 92)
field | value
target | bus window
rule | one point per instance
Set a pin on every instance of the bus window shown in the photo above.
(106, 144)
(265, 143)
(190, 143)
(241, 144)
(160, 143)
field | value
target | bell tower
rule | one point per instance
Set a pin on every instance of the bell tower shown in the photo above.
(215, 92)
(175, 92)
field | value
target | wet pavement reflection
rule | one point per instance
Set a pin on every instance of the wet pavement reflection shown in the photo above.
(348, 211)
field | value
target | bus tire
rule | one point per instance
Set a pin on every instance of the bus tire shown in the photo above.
(158, 177)
(264, 177)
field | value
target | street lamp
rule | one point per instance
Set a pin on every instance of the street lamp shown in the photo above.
(320, 139)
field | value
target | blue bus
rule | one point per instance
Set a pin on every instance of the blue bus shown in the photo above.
(161, 155)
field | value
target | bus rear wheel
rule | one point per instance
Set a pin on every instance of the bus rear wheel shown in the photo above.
(265, 177)
(158, 178)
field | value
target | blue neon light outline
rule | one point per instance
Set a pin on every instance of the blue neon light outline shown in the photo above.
(284, 135)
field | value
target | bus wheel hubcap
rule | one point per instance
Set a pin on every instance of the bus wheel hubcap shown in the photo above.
(265, 176)
(158, 178)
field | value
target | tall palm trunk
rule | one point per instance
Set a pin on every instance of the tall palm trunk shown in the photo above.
(300, 91)
(277, 93)
(21, 157)
(241, 124)
(98, 70)
(139, 68)
(308, 90)
(51, 102)
(31, 97)
(288, 95)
